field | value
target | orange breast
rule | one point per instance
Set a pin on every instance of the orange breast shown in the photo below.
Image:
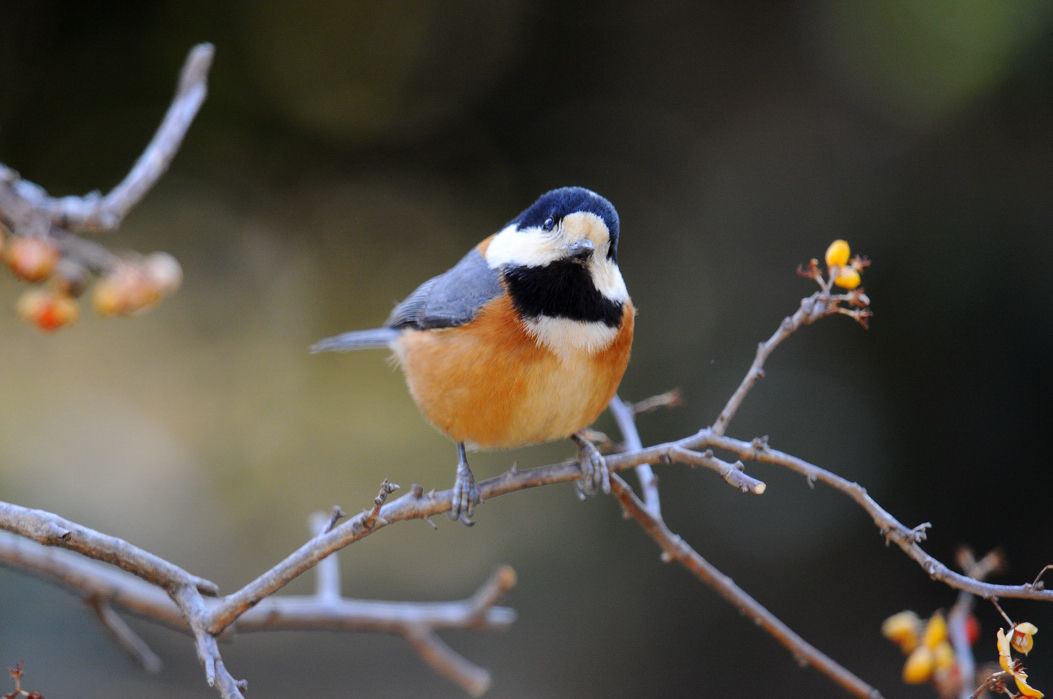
(490, 384)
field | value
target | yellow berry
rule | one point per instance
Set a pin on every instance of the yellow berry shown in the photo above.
(903, 629)
(848, 278)
(935, 631)
(943, 655)
(32, 259)
(837, 254)
(919, 665)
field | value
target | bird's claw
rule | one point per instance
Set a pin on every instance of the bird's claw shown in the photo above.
(595, 476)
(465, 496)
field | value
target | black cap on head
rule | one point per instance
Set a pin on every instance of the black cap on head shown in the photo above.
(568, 200)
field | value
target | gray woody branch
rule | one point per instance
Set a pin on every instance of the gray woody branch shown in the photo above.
(29, 211)
(94, 212)
(102, 588)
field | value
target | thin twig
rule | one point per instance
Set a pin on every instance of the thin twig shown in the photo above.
(958, 616)
(472, 678)
(669, 399)
(93, 212)
(814, 307)
(991, 682)
(623, 415)
(732, 473)
(675, 548)
(124, 636)
(327, 571)
(906, 538)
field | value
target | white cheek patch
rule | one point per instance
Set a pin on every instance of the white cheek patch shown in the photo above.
(527, 248)
(566, 337)
(608, 279)
(534, 247)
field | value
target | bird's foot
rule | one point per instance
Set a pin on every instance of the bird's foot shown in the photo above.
(465, 495)
(595, 476)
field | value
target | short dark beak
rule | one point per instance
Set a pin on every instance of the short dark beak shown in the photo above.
(580, 250)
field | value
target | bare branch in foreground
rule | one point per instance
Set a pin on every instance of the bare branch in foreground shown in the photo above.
(102, 586)
(52, 530)
(675, 548)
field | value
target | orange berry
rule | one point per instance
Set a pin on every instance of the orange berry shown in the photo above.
(125, 291)
(47, 309)
(32, 259)
(848, 278)
(837, 254)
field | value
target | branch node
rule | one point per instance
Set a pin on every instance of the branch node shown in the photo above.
(918, 533)
(335, 517)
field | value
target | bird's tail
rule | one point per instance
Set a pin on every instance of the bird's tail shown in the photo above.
(375, 338)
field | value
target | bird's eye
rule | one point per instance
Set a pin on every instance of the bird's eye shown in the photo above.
(549, 224)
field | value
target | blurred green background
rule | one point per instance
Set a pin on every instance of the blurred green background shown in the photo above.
(349, 151)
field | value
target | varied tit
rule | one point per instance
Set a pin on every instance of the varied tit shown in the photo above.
(523, 341)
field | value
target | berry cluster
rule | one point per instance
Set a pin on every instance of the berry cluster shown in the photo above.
(127, 285)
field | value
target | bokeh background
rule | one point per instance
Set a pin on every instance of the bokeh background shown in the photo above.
(350, 150)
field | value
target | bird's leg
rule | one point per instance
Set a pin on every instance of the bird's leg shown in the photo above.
(595, 476)
(465, 491)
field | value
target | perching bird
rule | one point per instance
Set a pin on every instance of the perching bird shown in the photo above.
(523, 341)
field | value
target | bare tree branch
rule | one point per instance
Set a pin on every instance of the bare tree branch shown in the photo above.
(124, 636)
(814, 307)
(52, 530)
(993, 562)
(474, 679)
(676, 549)
(891, 528)
(88, 579)
(93, 212)
(623, 415)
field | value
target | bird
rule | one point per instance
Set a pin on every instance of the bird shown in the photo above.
(523, 341)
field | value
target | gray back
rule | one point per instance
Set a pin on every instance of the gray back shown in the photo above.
(451, 299)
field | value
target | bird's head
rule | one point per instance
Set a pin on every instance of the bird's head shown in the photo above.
(565, 232)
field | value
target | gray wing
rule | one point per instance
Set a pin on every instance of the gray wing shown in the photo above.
(450, 299)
